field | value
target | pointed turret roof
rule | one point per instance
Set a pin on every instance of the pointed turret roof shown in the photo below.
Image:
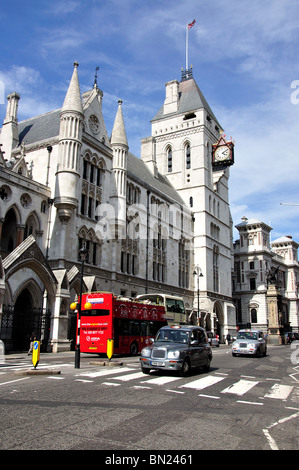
(119, 135)
(73, 101)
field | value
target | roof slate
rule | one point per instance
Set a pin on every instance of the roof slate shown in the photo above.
(39, 128)
(190, 99)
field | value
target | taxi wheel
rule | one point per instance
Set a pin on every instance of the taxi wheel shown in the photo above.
(207, 367)
(185, 368)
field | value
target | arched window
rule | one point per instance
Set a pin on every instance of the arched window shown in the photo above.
(216, 268)
(89, 239)
(253, 313)
(169, 159)
(188, 156)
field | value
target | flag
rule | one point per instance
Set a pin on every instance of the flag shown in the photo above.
(191, 24)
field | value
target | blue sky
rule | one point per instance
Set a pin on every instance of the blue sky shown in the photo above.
(245, 61)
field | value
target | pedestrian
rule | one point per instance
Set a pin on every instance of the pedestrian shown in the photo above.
(32, 339)
(228, 338)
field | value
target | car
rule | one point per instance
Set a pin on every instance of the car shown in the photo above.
(213, 339)
(290, 337)
(177, 348)
(250, 342)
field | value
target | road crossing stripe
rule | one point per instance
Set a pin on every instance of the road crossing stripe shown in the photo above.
(204, 382)
(110, 383)
(161, 380)
(250, 402)
(209, 396)
(102, 373)
(125, 378)
(241, 387)
(279, 391)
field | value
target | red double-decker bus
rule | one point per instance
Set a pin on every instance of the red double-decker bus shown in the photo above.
(130, 324)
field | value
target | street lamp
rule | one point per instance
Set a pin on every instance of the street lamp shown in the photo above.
(83, 252)
(197, 272)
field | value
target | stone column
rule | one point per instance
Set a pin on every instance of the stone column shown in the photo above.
(274, 336)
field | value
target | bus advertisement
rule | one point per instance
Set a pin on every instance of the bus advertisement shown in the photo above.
(174, 306)
(130, 324)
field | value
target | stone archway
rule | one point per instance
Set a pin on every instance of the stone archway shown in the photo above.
(27, 314)
(23, 321)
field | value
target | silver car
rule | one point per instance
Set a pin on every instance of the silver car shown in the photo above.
(213, 340)
(177, 348)
(251, 342)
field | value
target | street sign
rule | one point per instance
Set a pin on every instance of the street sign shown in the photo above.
(36, 353)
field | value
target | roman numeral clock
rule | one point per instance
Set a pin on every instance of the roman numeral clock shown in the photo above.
(222, 154)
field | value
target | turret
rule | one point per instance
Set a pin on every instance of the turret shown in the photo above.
(120, 149)
(9, 133)
(70, 141)
(68, 168)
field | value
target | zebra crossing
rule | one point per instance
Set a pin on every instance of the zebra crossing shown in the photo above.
(239, 388)
(215, 385)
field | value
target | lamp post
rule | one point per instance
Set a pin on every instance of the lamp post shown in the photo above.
(197, 272)
(82, 254)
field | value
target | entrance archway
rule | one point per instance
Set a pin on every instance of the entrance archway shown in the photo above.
(23, 321)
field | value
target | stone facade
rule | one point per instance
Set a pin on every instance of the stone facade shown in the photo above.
(150, 224)
(265, 279)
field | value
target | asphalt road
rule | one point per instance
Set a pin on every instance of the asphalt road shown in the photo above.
(241, 404)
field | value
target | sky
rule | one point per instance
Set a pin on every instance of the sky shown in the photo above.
(245, 60)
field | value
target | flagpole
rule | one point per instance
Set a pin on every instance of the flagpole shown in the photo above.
(187, 46)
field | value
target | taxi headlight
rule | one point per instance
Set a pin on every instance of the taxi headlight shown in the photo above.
(173, 354)
(146, 352)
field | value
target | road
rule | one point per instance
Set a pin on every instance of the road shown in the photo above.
(243, 403)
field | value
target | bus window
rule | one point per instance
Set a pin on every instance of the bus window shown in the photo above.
(95, 312)
(174, 305)
(134, 328)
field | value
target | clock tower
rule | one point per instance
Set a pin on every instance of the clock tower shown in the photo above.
(184, 133)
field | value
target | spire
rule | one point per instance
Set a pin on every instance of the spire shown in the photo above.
(73, 101)
(118, 135)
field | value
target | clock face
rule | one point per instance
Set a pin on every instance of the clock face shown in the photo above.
(222, 153)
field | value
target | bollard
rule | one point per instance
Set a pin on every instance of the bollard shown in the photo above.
(110, 348)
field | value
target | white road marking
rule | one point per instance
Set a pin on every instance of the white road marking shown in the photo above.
(270, 439)
(161, 380)
(102, 373)
(110, 383)
(127, 377)
(250, 402)
(208, 396)
(241, 387)
(204, 382)
(16, 380)
(279, 391)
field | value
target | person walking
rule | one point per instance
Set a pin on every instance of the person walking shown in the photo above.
(32, 339)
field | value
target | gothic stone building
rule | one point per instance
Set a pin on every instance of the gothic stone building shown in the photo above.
(158, 223)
